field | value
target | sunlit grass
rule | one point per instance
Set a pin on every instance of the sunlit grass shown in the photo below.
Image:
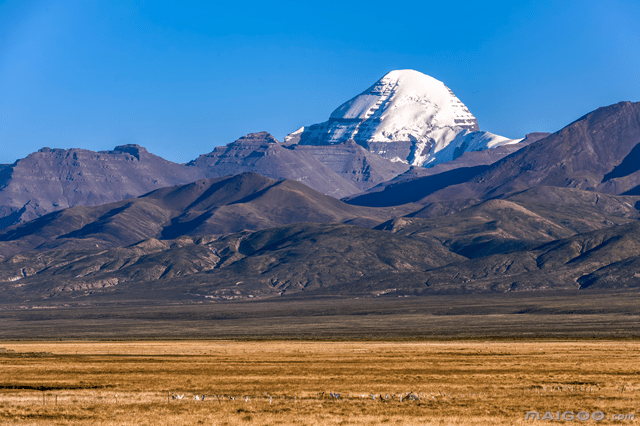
(277, 382)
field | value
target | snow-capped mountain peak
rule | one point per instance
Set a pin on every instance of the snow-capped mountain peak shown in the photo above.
(407, 98)
(405, 116)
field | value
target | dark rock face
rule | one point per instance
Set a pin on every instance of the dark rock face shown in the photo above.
(337, 170)
(467, 161)
(261, 153)
(54, 179)
(405, 149)
(354, 163)
(578, 156)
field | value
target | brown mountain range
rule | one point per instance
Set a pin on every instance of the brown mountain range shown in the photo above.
(54, 179)
(558, 214)
(205, 207)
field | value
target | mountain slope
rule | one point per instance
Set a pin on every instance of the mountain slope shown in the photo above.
(518, 222)
(337, 170)
(593, 153)
(362, 168)
(578, 156)
(210, 206)
(484, 157)
(299, 258)
(316, 260)
(54, 179)
(584, 261)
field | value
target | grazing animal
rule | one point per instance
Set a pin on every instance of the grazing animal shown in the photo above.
(412, 397)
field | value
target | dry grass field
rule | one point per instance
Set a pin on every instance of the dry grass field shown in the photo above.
(281, 382)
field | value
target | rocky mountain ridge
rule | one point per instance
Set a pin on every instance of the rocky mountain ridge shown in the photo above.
(54, 179)
(594, 153)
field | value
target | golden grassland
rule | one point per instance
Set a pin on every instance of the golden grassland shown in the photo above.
(279, 382)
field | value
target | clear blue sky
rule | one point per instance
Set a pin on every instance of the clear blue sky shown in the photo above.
(183, 77)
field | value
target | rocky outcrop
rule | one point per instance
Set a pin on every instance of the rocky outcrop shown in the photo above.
(262, 153)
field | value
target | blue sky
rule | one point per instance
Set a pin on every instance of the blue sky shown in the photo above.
(183, 77)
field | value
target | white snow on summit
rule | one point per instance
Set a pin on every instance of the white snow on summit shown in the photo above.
(406, 116)
(407, 101)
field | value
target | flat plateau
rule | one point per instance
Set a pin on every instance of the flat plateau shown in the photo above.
(525, 315)
(222, 382)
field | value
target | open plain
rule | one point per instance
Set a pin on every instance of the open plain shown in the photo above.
(296, 382)
(468, 359)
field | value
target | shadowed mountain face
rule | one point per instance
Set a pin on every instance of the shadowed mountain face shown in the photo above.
(467, 161)
(206, 207)
(578, 156)
(518, 222)
(415, 190)
(54, 179)
(594, 153)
